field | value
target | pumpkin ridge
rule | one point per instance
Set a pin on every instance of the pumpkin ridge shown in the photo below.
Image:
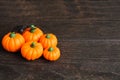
(22, 40)
(39, 48)
(25, 35)
(57, 53)
(49, 43)
(25, 51)
(7, 44)
(19, 36)
(29, 55)
(33, 55)
(46, 54)
(54, 56)
(45, 43)
(15, 45)
(51, 56)
(35, 37)
(40, 32)
(19, 42)
(30, 37)
(39, 35)
(37, 51)
(54, 42)
(16, 41)
(42, 40)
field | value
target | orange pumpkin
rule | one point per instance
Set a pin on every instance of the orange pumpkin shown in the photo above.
(48, 40)
(32, 33)
(12, 41)
(52, 53)
(32, 50)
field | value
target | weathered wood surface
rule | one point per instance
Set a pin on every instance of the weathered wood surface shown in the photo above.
(88, 33)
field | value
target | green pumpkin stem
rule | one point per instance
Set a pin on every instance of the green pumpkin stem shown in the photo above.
(12, 34)
(32, 45)
(50, 49)
(48, 36)
(32, 28)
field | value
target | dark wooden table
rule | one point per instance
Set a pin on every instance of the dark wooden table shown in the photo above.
(88, 33)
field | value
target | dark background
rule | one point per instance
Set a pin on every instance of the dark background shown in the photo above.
(88, 32)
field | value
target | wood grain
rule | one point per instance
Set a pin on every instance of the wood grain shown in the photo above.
(88, 33)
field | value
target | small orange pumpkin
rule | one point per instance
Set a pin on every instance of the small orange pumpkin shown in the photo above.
(48, 40)
(32, 33)
(52, 53)
(12, 41)
(32, 50)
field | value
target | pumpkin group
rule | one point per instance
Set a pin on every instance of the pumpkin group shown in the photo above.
(32, 43)
(12, 41)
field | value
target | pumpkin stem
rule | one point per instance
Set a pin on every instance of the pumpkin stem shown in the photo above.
(32, 45)
(32, 28)
(48, 36)
(50, 49)
(12, 34)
